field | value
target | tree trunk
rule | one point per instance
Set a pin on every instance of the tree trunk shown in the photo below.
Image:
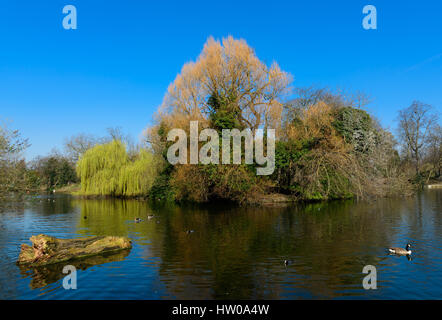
(47, 250)
(417, 162)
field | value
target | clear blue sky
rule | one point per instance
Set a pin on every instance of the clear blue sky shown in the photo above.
(115, 68)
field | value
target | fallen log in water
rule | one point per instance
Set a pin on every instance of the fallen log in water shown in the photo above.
(47, 250)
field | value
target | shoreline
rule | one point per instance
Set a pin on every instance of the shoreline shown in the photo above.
(268, 200)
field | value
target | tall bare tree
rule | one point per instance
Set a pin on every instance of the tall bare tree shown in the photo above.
(415, 126)
(77, 145)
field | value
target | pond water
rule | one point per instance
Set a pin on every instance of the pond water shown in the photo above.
(233, 253)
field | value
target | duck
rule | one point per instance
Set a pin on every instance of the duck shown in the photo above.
(190, 231)
(287, 262)
(137, 220)
(400, 250)
(150, 217)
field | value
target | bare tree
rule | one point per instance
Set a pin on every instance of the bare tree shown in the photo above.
(116, 133)
(415, 125)
(77, 145)
(434, 152)
(306, 97)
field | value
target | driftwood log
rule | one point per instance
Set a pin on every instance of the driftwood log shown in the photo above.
(48, 250)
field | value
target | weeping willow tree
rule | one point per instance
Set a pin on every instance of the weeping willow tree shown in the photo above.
(107, 170)
(137, 177)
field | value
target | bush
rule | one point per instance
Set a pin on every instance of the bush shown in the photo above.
(201, 183)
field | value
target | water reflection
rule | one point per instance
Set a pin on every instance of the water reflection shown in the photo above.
(44, 275)
(239, 253)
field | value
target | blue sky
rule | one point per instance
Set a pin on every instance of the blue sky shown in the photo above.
(115, 68)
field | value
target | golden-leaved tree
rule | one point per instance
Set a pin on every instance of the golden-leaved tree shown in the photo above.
(229, 71)
(227, 87)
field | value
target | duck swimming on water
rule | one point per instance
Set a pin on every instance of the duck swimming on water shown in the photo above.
(400, 250)
(287, 262)
(137, 220)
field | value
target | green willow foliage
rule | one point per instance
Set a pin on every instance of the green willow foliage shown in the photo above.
(136, 178)
(107, 170)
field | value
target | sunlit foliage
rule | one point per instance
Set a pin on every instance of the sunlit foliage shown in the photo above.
(323, 169)
(335, 150)
(227, 87)
(228, 78)
(107, 170)
(137, 177)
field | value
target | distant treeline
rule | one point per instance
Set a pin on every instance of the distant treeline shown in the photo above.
(47, 173)
(41, 174)
(328, 146)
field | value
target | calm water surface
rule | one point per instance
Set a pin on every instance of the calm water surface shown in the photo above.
(233, 253)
